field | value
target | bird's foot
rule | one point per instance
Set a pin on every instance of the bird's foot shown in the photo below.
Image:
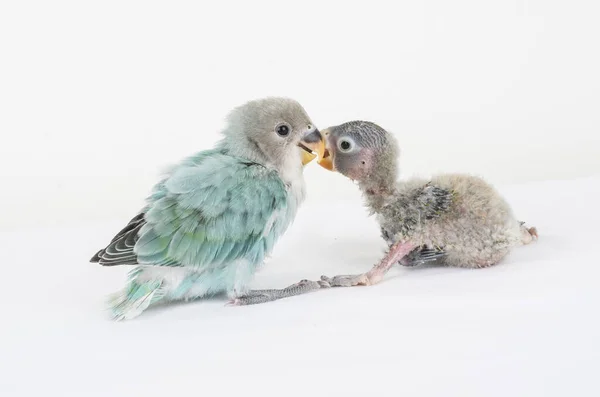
(243, 299)
(528, 234)
(233, 302)
(534, 233)
(348, 280)
(253, 297)
(268, 295)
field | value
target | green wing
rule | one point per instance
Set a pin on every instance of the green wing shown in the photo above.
(212, 209)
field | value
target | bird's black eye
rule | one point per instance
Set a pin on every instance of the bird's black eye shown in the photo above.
(345, 145)
(282, 130)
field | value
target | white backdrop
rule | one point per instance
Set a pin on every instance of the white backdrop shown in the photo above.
(96, 97)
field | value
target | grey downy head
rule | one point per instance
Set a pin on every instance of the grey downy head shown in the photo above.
(361, 151)
(271, 130)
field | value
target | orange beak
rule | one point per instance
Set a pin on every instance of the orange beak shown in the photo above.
(325, 159)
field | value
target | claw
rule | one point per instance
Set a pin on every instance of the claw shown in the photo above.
(323, 284)
(234, 302)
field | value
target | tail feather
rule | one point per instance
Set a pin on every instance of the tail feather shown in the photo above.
(135, 298)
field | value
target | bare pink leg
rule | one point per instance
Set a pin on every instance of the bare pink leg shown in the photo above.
(375, 275)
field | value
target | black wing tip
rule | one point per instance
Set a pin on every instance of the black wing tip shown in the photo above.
(102, 263)
(128, 236)
(96, 258)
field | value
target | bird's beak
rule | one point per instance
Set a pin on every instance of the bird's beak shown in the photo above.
(312, 146)
(326, 160)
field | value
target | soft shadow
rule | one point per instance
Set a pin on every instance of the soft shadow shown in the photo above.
(160, 308)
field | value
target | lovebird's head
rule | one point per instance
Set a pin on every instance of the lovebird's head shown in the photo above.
(273, 131)
(362, 151)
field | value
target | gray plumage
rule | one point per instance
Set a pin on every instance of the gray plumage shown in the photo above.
(457, 218)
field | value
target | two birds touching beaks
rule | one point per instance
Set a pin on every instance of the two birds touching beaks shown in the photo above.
(209, 224)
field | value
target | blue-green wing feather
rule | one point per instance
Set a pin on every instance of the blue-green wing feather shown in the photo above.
(212, 209)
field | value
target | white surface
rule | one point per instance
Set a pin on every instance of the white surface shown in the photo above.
(94, 96)
(527, 327)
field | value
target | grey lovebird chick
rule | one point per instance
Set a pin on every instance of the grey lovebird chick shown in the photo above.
(211, 221)
(456, 219)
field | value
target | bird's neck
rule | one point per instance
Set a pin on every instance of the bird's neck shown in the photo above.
(244, 148)
(288, 165)
(378, 191)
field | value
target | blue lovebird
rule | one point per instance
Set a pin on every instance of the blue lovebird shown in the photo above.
(211, 221)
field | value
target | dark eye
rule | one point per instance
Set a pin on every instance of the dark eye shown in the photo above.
(345, 144)
(282, 130)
